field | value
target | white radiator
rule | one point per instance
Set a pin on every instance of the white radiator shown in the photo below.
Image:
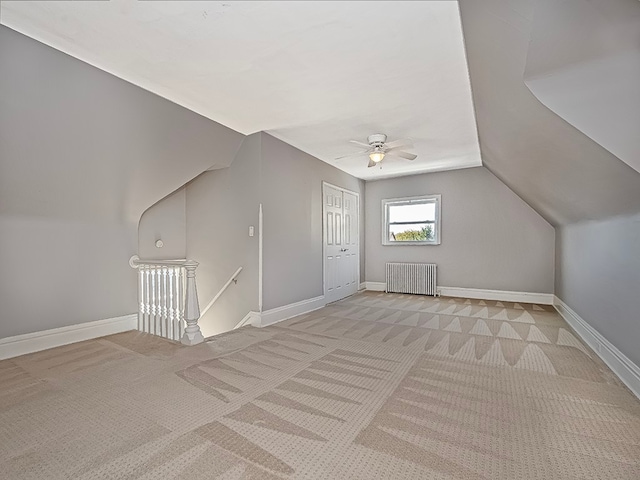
(417, 278)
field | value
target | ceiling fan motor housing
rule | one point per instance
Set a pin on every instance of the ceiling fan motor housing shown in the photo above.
(377, 139)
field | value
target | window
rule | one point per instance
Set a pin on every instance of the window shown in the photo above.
(411, 221)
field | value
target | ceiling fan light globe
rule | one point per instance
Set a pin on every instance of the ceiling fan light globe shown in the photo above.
(376, 156)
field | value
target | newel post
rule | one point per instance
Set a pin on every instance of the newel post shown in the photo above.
(192, 334)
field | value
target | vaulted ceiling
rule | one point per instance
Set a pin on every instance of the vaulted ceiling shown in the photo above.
(556, 85)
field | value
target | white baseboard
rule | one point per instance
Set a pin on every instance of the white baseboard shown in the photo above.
(498, 295)
(275, 315)
(376, 286)
(362, 286)
(251, 318)
(34, 342)
(625, 369)
(481, 294)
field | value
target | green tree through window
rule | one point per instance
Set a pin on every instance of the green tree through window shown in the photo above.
(411, 220)
(424, 234)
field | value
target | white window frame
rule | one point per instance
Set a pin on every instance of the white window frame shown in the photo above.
(387, 202)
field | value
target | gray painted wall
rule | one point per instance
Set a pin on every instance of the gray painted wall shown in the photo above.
(82, 155)
(58, 272)
(166, 221)
(562, 173)
(555, 168)
(491, 239)
(598, 276)
(292, 204)
(583, 63)
(221, 205)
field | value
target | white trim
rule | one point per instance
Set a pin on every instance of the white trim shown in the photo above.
(362, 286)
(34, 342)
(499, 295)
(376, 286)
(260, 259)
(386, 202)
(135, 262)
(481, 294)
(275, 315)
(251, 318)
(618, 362)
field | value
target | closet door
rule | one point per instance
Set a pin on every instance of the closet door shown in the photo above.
(341, 243)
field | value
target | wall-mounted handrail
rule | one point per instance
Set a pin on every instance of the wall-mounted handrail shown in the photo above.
(234, 278)
(168, 298)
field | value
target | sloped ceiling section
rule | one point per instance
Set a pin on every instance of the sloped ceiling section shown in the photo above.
(312, 73)
(584, 64)
(77, 143)
(561, 172)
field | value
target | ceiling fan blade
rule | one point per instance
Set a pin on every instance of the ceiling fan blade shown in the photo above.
(357, 154)
(401, 154)
(403, 142)
(366, 145)
(371, 164)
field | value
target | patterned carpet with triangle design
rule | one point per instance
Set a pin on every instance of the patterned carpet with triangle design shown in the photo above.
(377, 386)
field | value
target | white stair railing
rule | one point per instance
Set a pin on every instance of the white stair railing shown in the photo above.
(234, 278)
(168, 298)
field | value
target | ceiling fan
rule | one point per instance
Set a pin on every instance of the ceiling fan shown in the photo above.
(378, 148)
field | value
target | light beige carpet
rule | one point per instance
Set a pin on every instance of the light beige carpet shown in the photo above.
(377, 386)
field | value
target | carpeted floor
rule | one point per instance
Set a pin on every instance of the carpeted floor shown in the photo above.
(377, 386)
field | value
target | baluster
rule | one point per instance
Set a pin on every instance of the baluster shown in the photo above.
(174, 317)
(154, 301)
(170, 320)
(147, 293)
(158, 301)
(165, 313)
(143, 297)
(180, 301)
(176, 301)
(152, 318)
(169, 304)
(192, 334)
(140, 297)
(159, 287)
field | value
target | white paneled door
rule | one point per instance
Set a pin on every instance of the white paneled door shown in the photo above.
(341, 243)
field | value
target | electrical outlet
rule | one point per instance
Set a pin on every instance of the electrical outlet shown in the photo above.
(251, 231)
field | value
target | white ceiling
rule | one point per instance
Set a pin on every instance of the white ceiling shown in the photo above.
(312, 73)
